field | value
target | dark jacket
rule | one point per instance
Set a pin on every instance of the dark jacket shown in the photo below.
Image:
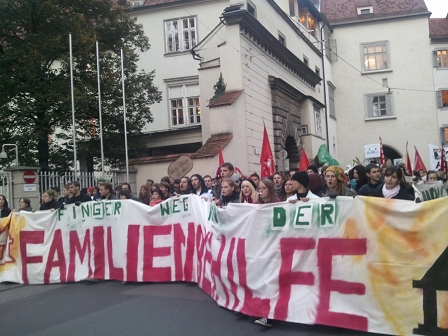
(80, 198)
(234, 197)
(369, 188)
(53, 204)
(402, 194)
(5, 212)
(111, 198)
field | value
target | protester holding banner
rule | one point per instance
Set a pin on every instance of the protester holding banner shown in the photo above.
(198, 187)
(49, 201)
(228, 193)
(287, 188)
(394, 185)
(300, 182)
(156, 197)
(267, 192)
(76, 194)
(124, 194)
(4, 209)
(432, 176)
(255, 178)
(248, 193)
(165, 189)
(184, 186)
(25, 204)
(334, 176)
(278, 184)
(143, 196)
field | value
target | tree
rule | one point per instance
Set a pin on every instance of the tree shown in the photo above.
(35, 100)
(220, 87)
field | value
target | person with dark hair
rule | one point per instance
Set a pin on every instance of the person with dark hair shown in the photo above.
(77, 195)
(228, 171)
(49, 201)
(292, 172)
(394, 186)
(25, 204)
(256, 179)
(106, 192)
(374, 180)
(228, 193)
(156, 197)
(357, 176)
(312, 169)
(184, 186)
(315, 185)
(176, 186)
(334, 176)
(4, 209)
(300, 182)
(197, 186)
(208, 181)
(144, 195)
(127, 186)
(267, 192)
(287, 189)
(57, 192)
(124, 194)
(166, 179)
(248, 192)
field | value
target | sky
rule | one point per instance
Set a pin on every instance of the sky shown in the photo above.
(439, 8)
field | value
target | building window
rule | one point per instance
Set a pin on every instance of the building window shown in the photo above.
(331, 99)
(442, 98)
(251, 9)
(317, 71)
(364, 10)
(318, 122)
(136, 3)
(440, 58)
(305, 60)
(180, 34)
(282, 38)
(375, 56)
(303, 130)
(184, 103)
(379, 105)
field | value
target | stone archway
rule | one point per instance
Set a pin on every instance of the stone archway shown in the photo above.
(391, 153)
(286, 104)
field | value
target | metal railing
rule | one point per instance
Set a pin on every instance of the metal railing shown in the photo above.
(48, 179)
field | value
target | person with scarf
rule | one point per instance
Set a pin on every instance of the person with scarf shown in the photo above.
(300, 182)
(49, 201)
(248, 192)
(156, 197)
(394, 185)
(228, 193)
(334, 177)
(278, 184)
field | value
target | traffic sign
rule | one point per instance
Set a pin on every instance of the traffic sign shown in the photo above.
(29, 176)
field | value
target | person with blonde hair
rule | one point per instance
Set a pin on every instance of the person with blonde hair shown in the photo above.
(248, 193)
(49, 201)
(334, 177)
(228, 193)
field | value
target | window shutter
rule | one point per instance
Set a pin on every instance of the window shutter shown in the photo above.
(434, 59)
(439, 99)
(389, 105)
(369, 103)
(334, 50)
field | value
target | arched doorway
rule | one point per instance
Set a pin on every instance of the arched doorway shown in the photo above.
(293, 152)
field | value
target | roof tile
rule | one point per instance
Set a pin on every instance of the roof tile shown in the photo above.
(227, 98)
(345, 10)
(438, 28)
(209, 149)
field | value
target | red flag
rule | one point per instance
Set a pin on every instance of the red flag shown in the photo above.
(221, 158)
(382, 160)
(304, 162)
(443, 164)
(266, 158)
(408, 161)
(418, 162)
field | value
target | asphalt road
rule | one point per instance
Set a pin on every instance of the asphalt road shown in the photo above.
(109, 308)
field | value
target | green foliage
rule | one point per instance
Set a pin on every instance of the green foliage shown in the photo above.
(35, 98)
(219, 87)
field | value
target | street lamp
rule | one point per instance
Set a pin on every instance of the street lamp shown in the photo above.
(3, 154)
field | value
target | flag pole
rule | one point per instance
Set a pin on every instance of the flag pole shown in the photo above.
(99, 109)
(124, 116)
(75, 168)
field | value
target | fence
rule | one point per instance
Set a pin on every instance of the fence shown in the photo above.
(6, 186)
(47, 179)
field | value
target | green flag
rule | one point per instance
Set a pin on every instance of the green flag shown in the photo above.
(324, 156)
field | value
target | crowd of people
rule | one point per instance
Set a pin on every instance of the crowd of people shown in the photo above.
(229, 187)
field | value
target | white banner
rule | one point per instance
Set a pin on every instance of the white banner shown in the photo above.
(372, 151)
(435, 157)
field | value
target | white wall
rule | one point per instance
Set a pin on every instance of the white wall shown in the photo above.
(440, 82)
(411, 66)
